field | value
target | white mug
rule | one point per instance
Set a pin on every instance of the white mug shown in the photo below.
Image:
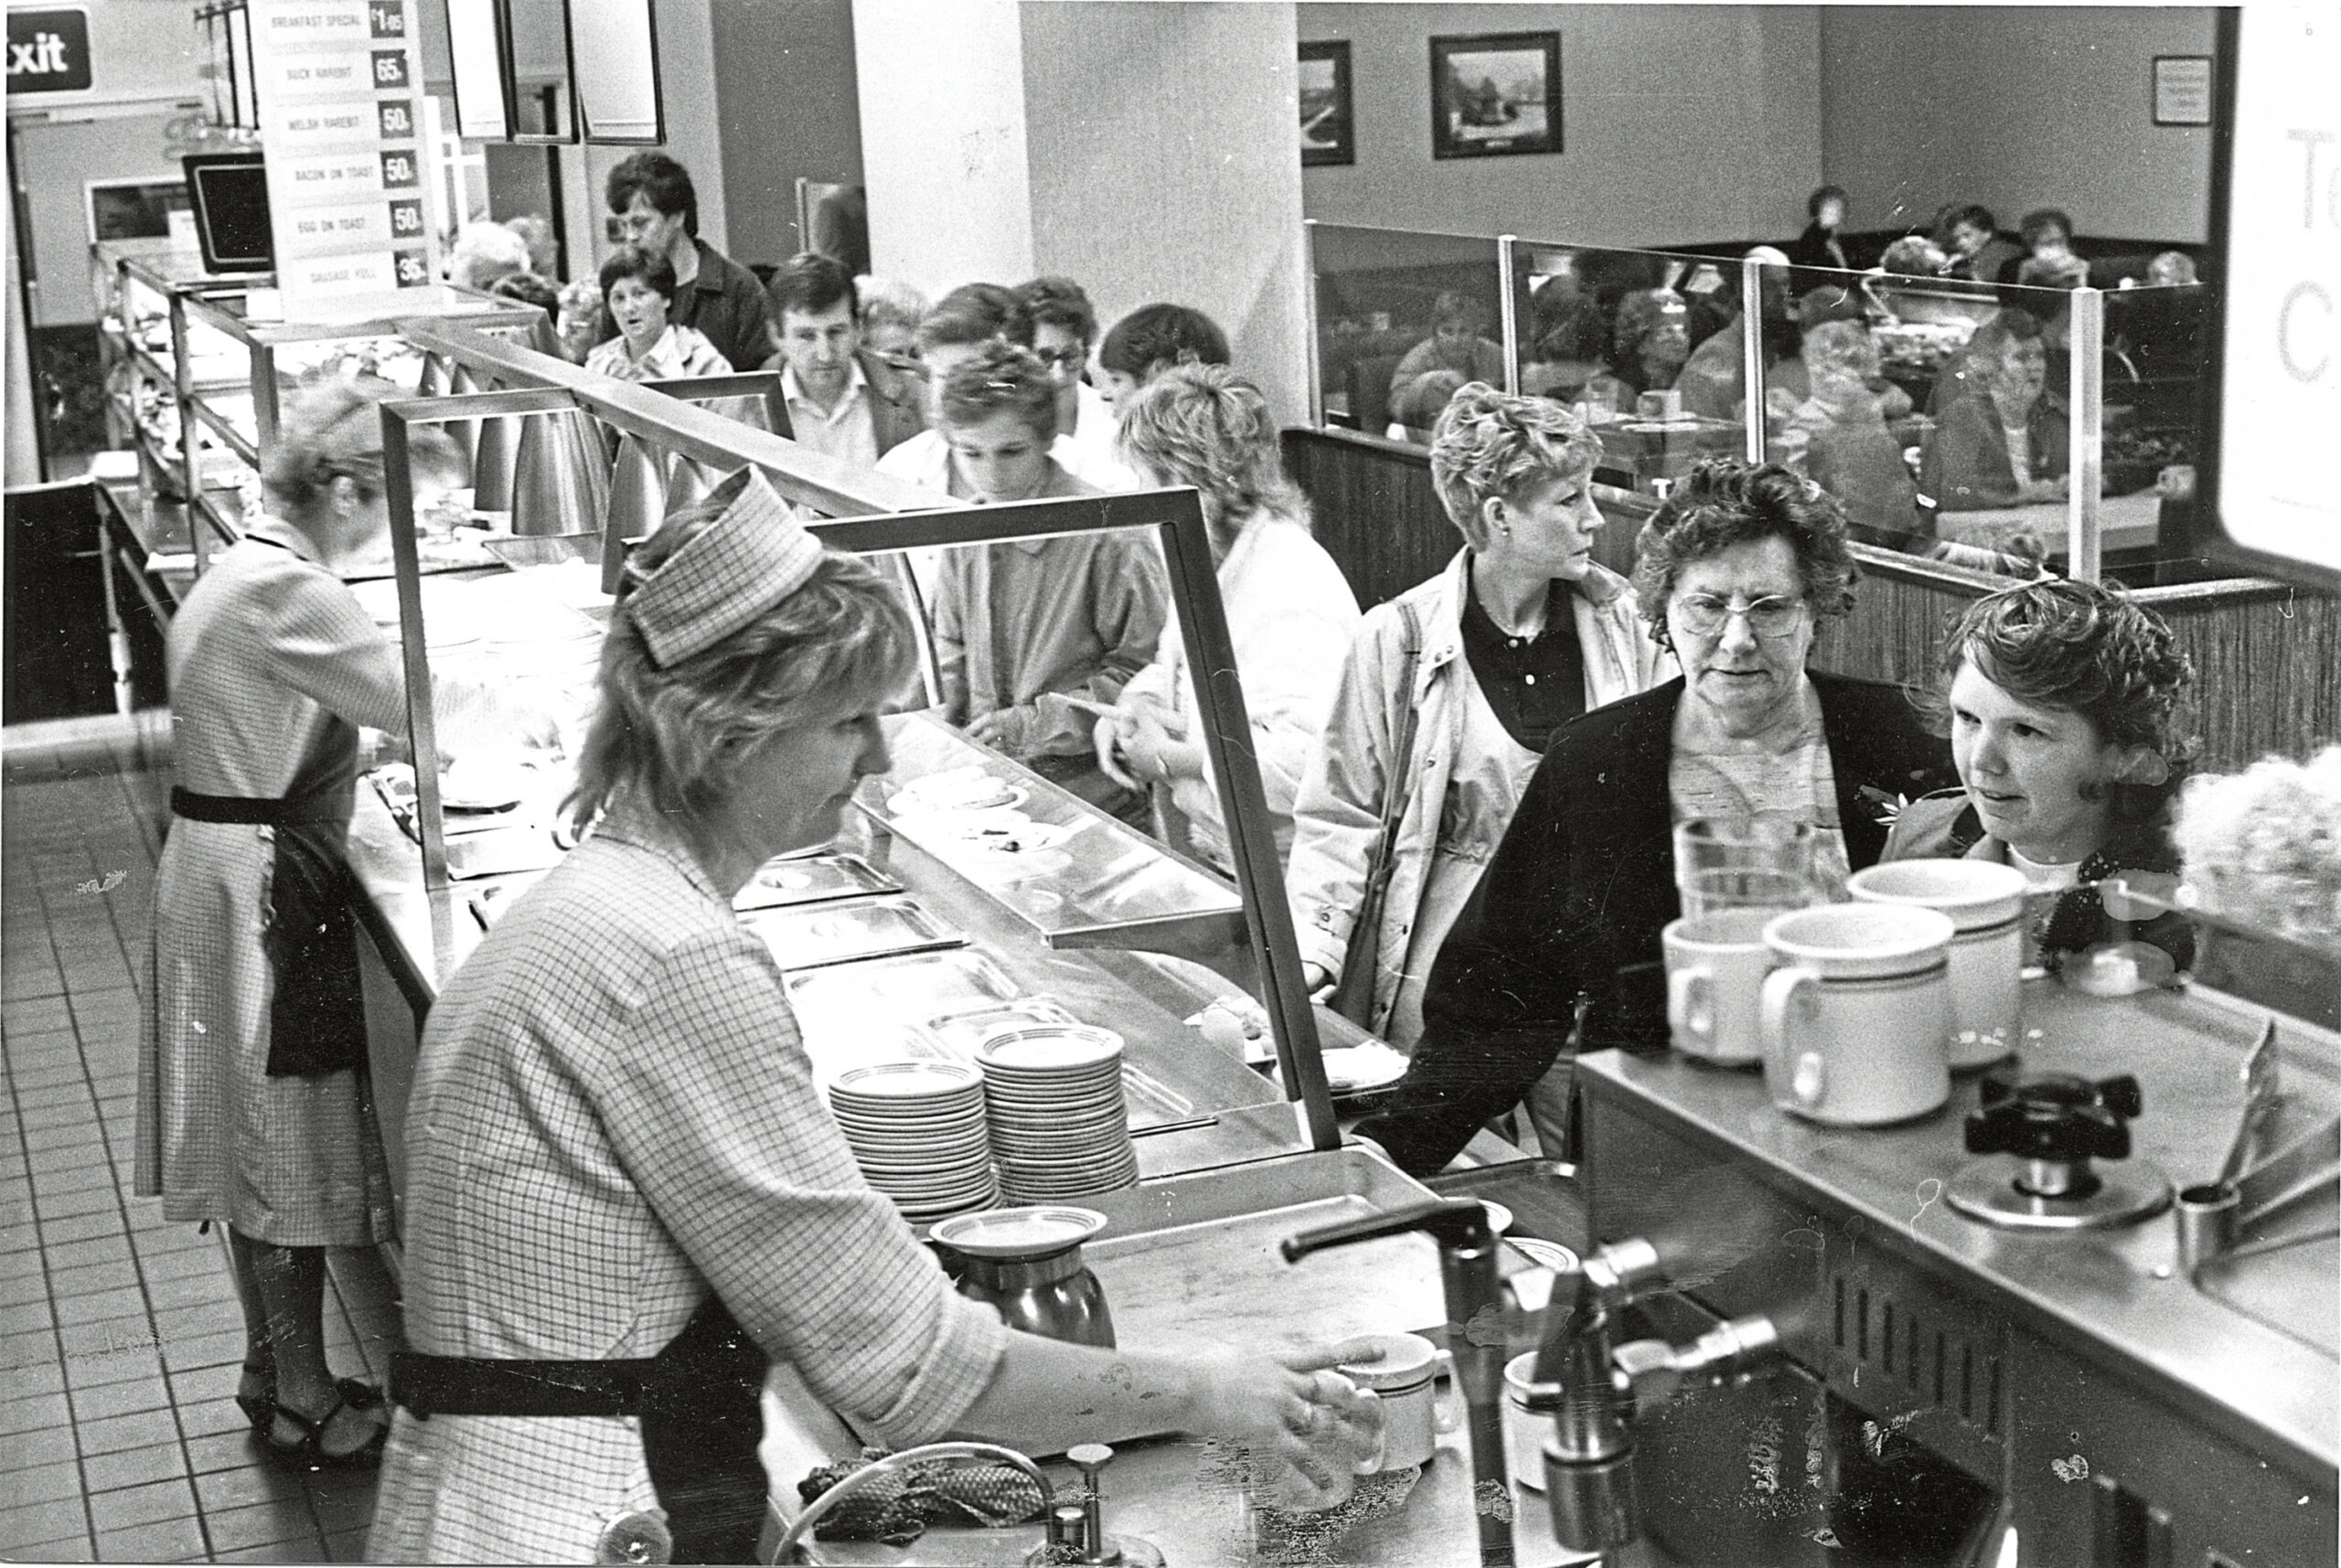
(1716, 965)
(1856, 1020)
(1985, 903)
(1524, 1430)
(1405, 1380)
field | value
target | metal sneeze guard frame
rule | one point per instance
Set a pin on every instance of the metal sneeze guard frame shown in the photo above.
(875, 514)
(2085, 389)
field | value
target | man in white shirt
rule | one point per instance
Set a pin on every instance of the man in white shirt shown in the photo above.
(833, 396)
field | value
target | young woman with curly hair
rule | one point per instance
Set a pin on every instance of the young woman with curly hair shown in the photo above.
(2063, 702)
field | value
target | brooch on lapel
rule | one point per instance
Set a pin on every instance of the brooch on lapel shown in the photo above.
(1885, 809)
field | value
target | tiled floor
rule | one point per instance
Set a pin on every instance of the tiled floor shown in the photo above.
(119, 1336)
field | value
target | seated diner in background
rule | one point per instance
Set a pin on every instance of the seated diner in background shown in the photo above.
(1822, 244)
(1450, 695)
(1023, 623)
(638, 293)
(2064, 703)
(618, 1154)
(1714, 379)
(1558, 951)
(1457, 342)
(1290, 612)
(1850, 450)
(1649, 342)
(1970, 240)
(1415, 407)
(2003, 441)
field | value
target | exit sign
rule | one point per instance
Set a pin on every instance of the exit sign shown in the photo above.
(49, 50)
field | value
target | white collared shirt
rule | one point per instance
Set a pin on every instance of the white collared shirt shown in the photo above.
(849, 431)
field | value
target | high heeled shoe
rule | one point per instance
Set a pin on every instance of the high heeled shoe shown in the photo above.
(309, 1453)
(260, 1409)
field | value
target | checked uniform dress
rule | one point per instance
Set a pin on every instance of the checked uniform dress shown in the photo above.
(272, 665)
(613, 1115)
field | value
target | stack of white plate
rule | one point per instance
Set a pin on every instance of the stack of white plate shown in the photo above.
(917, 1130)
(1059, 1126)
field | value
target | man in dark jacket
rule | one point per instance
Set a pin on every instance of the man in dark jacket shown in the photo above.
(657, 205)
(834, 395)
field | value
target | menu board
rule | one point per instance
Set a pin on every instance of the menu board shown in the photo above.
(340, 89)
(2281, 393)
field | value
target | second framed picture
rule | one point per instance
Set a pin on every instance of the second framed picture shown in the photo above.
(1495, 93)
(1328, 123)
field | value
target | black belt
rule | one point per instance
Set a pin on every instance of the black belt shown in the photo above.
(247, 809)
(466, 1385)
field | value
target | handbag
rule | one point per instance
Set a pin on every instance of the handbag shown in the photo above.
(1353, 995)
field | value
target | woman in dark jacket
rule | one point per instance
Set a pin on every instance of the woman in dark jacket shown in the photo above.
(1558, 949)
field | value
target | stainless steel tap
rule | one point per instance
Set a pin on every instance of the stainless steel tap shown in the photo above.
(1591, 1385)
(1467, 1267)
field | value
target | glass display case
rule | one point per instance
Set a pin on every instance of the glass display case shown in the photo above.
(972, 886)
(1659, 349)
(198, 378)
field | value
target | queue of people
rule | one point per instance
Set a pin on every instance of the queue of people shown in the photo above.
(1473, 788)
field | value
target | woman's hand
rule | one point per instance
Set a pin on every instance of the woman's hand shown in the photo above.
(1154, 740)
(1106, 736)
(1319, 981)
(1308, 1430)
(1003, 729)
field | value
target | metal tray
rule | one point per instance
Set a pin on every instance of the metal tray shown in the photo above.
(909, 989)
(810, 938)
(1189, 1262)
(500, 852)
(805, 880)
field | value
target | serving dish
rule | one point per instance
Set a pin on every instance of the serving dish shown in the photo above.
(816, 878)
(839, 932)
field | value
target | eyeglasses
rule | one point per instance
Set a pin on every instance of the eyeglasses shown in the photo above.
(1061, 358)
(1773, 616)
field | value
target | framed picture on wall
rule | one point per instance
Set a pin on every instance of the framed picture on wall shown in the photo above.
(1495, 93)
(1328, 126)
(2182, 90)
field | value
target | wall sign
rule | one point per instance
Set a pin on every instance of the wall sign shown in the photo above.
(340, 89)
(2276, 224)
(48, 51)
(2182, 90)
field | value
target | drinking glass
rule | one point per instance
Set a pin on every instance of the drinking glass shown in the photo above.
(1763, 863)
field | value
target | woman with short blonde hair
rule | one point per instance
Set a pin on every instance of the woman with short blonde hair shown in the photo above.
(618, 1154)
(1289, 611)
(1449, 695)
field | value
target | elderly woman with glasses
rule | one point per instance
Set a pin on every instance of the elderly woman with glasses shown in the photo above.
(1449, 698)
(1558, 948)
(625, 1190)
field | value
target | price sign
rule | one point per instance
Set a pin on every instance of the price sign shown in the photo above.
(345, 160)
